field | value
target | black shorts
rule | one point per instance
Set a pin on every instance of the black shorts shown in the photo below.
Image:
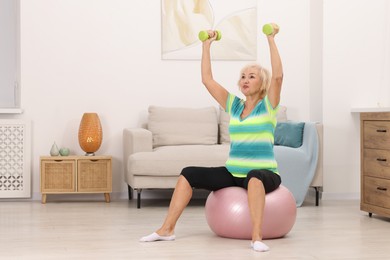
(215, 178)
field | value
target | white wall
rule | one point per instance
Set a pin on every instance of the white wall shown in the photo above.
(105, 56)
(355, 74)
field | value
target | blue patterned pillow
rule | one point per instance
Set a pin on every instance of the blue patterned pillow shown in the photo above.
(289, 134)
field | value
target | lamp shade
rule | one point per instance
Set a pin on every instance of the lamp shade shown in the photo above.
(90, 133)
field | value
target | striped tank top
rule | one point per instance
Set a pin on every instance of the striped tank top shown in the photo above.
(251, 138)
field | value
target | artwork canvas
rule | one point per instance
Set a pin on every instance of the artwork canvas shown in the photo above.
(182, 20)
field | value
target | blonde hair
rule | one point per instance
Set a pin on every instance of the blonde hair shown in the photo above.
(264, 74)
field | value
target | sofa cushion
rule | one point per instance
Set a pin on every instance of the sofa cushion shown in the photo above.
(224, 120)
(170, 160)
(289, 134)
(181, 126)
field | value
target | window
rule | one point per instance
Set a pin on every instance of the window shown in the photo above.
(9, 54)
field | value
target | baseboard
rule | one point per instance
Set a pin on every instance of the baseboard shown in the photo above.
(167, 194)
(341, 195)
(333, 195)
(37, 196)
(146, 194)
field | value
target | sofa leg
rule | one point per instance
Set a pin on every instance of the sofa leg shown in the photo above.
(317, 195)
(130, 190)
(139, 198)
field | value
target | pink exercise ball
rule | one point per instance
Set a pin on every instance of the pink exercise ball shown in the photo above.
(227, 213)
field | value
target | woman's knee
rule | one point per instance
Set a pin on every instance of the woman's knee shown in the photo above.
(183, 182)
(191, 174)
(254, 177)
(255, 182)
(188, 172)
(268, 179)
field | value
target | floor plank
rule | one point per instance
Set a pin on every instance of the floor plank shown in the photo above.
(99, 230)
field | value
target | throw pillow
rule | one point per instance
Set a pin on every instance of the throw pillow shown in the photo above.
(289, 134)
(181, 126)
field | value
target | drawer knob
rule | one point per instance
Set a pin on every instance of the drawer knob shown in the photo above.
(381, 130)
(381, 188)
(381, 160)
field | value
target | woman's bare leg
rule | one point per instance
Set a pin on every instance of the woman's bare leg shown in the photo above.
(256, 201)
(180, 199)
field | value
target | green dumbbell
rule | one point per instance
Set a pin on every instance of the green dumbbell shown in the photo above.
(204, 35)
(270, 28)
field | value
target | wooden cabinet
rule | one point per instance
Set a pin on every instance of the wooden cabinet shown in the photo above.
(76, 174)
(375, 163)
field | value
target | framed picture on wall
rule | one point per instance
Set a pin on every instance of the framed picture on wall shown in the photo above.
(182, 20)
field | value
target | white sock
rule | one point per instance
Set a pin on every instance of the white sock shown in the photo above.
(156, 237)
(259, 246)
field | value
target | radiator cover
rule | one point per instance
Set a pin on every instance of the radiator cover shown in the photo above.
(15, 159)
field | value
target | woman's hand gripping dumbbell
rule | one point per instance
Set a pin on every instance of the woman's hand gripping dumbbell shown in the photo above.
(270, 29)
(205, 35)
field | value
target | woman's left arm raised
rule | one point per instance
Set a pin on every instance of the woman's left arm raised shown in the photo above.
(277, 70)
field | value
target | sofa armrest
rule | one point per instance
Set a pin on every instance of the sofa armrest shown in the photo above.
(318, 176)
(136, 140)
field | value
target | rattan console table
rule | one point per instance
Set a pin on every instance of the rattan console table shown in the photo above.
(75, 175)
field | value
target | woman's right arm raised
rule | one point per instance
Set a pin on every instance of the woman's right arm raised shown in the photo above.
(219, 93)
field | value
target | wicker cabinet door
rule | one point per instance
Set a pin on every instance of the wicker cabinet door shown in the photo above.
(58, 176)
(94, 175)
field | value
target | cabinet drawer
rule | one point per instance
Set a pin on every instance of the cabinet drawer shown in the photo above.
(94, 175)
(376, 163)
(376, 134)
(58, 176)
(376, 191)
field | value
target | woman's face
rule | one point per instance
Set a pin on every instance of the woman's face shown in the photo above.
(250, 81)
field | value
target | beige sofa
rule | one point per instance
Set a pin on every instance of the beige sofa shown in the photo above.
(174, 138)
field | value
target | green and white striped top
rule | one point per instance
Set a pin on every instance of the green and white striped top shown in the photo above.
(251, 138)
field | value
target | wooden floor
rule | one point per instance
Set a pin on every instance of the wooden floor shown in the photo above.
(99, 230)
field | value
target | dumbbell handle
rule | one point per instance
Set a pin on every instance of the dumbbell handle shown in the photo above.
(204, 35)
(270, 28)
